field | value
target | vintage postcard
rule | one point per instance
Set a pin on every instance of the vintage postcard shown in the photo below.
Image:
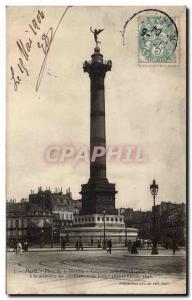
(96, 150)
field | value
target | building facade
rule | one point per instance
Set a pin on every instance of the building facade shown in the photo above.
(26, 224)
(169, 221)
(42, 218)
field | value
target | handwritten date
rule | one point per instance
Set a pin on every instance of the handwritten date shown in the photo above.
(25, 49)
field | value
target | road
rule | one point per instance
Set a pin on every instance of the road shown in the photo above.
(96, 272)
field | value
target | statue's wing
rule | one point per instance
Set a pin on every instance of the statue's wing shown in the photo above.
(100, 30)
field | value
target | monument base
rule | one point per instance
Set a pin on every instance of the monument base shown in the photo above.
(91, 229)
(98, 195)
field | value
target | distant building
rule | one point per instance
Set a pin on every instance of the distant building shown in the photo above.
(25, 224)
(43, 217)
(77, 205)
(169, 220)
(59, 204)
(172, 221)
(141, 220)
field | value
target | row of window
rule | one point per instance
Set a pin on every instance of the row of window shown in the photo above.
(23, 223)
(62, 208)
(66, 217)
(97, 219)
(17, 233)
(31, 213)
(16, 223)
(12, 224)
(63, 224)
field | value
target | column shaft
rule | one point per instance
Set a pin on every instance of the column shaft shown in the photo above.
(97, 126)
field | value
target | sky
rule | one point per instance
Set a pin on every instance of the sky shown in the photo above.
(145, 104)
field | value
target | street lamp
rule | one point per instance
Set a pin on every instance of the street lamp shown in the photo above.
(154, 190)
(104, 246)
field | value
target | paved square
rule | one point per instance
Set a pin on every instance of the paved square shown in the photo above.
(96, 272)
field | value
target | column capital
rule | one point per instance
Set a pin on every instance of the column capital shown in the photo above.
(97, 66)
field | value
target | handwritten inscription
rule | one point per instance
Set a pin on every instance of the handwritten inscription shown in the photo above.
(25, 48)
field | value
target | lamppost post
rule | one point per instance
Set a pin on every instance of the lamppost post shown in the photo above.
(52, 235)
(16, 226)
(154, 190)
(125, 219)
(104, 244)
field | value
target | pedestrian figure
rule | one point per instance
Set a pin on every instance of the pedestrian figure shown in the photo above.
(174, 246)
(104, 244)
(26, 246)
(165, 244)
(77, 245)
(107, 243)
(80, 245)
(91, 241)
(134, 248)
(170, 244)
(138, 243)
(98, 244)
(8, 247)
(19, 248)
(129, 246)
(110, 245)
(22, 244)
(15, 247)
(63, 244)
(148, 244)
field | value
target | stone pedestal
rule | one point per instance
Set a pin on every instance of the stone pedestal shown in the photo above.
(93, 226)
(98, 196)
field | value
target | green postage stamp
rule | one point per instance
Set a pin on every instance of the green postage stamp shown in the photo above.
(157, 40)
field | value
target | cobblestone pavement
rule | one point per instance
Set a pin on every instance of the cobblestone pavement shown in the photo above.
(96, 272)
